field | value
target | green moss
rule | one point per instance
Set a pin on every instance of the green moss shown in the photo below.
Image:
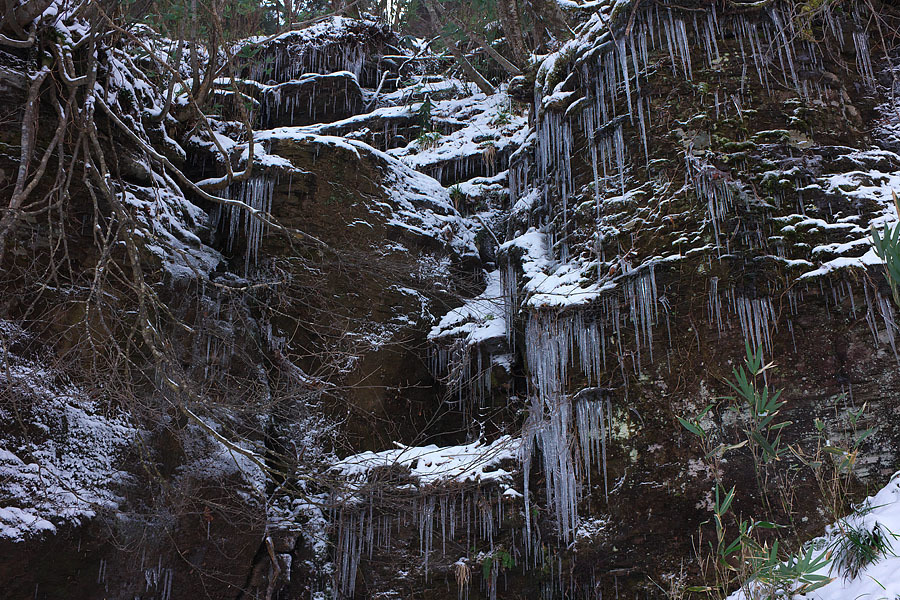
(734, 158)
(773, 136)
(732, 147)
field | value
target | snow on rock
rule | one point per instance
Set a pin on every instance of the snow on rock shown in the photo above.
(480, 319)
(332, 44)
(209, 459)
(871, 187)
(384, 128)
(68, 467)
(169, 223)
(477, 462)
(549, 283)
(485, 133)
(417, 203)
(436, 89)
(482, 187)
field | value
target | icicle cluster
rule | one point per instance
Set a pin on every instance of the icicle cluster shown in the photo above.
(298, 104)
(553, 342)
(593, 418)
(256, 192)
(465, 370)
(758, 318)
(876, 302)
(755, 314)
(611, 75)
(717, 188)
(290, 60)
(463, 168)
(467, 517)
(158, 578)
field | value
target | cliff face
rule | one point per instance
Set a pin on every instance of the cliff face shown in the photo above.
(697, 181)
(436, 343)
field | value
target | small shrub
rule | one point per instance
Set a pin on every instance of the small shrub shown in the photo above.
(887, 247)
(857, 546)
(503, 117)
(424, 114)
(428, 139)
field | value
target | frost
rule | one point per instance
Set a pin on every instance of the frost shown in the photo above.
(69, 468)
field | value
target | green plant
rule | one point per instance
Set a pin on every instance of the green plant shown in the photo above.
(758, 407)
(428, 139)
(795, 575)
(887, 248)
(423, 113)
(858, 546)
(832, 463)
(740, 551)
(503, 117)
(502, 558)
(457, 196)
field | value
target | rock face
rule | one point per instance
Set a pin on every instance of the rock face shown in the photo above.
(276, 333)
(433, 347)
(311, 99)
(675, 203)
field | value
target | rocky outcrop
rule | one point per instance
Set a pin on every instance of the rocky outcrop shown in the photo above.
(676, 204)
(198, 468)
(338, 377)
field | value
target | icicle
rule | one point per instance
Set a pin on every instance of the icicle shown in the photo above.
(640, 292)
(887, 315)
(785, 32)
(590, 422)
(754, 315)
(626, 79)
(684, 48)
(257, 193)
(714, 307)
(620, 156)
(864, 58)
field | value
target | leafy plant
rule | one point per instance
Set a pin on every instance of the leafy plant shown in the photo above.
(759, 407)
(498, 559)
(457, 196)
(832, 463)
(858, 546)
(424, 114)
(428, 139)
(740, 551)
(503, 117)
(887, 248)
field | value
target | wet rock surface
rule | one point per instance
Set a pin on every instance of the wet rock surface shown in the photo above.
(455, 365)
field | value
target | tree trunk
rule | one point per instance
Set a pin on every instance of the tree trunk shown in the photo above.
(29, 134)
(17, 16)
(508, 11)
(195, 61)
(483, 84)
(551, 16)
(482, 43)
(288, 13)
